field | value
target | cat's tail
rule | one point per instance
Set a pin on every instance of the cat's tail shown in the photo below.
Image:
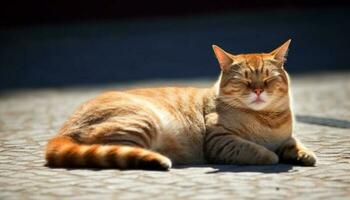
(64, 152)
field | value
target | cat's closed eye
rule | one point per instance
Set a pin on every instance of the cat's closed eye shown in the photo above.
(241, 82)
(271, 80)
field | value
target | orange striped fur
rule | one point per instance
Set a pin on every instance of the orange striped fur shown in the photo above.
(245, 118)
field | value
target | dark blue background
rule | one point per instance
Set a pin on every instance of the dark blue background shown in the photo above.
(120, 50)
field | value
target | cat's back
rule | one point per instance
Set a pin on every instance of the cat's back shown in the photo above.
(164, 104)
(162, 96)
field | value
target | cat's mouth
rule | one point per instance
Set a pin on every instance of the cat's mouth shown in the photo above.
(258, 101)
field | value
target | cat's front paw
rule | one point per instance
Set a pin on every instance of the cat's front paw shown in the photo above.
(301, 156)
(306, 157)
(293, 152)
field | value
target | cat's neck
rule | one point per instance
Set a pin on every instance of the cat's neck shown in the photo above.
(223, 106)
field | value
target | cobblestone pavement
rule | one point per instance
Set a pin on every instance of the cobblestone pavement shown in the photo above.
(28, 118)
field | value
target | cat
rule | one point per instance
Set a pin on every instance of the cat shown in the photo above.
(245, 118)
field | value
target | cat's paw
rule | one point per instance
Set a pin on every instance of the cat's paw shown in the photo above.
(306, 157)
(301, 156)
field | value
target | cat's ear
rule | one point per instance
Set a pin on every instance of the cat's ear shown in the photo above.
(281, 52)
(223, 57)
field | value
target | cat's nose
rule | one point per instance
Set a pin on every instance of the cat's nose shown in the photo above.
(258, 91)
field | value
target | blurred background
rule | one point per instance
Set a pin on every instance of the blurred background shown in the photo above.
(77, 43)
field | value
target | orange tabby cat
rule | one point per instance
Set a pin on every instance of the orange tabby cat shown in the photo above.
(245, 118)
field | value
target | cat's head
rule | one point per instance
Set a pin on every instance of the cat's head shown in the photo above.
(256, 81)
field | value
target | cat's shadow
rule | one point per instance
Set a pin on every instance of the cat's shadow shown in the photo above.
(212, 169)
(267, 169)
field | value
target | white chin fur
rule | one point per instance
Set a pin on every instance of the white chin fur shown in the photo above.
(257, 105)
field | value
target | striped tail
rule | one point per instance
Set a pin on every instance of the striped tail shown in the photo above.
(63, 152)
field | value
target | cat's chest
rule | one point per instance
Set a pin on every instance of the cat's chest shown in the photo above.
(263, 134)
